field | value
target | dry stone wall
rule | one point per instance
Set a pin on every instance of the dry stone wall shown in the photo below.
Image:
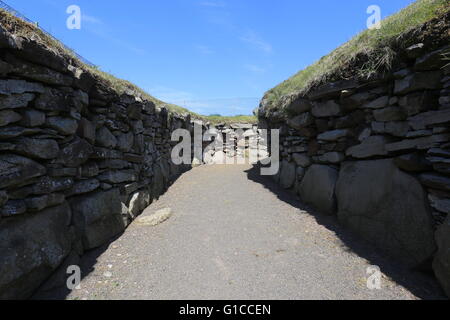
(376, 153)
(78, 162)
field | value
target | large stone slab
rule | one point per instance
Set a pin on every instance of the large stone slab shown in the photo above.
(16, 170)
(31, 248)
(317, 188)
(441, 263)
(97, 217)
(387, 207)
(287, 174)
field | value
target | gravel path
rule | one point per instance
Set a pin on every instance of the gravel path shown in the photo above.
(235, 235)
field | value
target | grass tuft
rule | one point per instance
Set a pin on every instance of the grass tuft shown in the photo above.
(377, 45)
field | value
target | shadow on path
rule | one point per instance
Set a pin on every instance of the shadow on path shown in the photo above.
(420, 283)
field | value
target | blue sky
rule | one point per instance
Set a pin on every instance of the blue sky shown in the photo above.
(211, 56)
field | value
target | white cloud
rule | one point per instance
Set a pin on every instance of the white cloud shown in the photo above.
(213, 4)
(205, 50)
(254, 68)
(90, 19)
(254, 39)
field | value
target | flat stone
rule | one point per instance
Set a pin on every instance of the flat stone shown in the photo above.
(413, 162)
(37, 148)
(317, 188)
(299, 106)
(157, 218)
(86, 130)
(422, 120)
(8, 116)
(45, 201)
(14, 132)
(327, 109)
(439, 204)
(301, 121)
(435, 181)
(13, 208)
(372, 146)
(333, 135)
(82, 187)
(389, 114)
(115, 177)
(8, 87)
(332, 89)
(419, 143)
(433, 60)
(15, 170)
(380, 103)
(15, 101)
(388, 208)
(418, 81)
(331, 157)
(125, 141)
(32, 118)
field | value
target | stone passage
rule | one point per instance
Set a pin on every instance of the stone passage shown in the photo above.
(236, 235)
(376, 152)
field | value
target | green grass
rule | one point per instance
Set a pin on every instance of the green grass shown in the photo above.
(376, 45)
(229, 120)
(22, 28)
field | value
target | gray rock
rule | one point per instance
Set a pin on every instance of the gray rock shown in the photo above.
(380, 103)
(45, 201)
(419, 143)
(299, 106)
(433, 60)
(139, 201)
(37, 148)
(16, 101)
(83, 186)
(15, 170)
(3, 197)
(372, 146)
(97, 217)
(32, 247)
(332, 89)
(301, 160)
(159, 183)
(386, 207)
(418, 102)
(413, 162)
(86, 130)
(441, 262)
(125, 141)
(8, 87)
(389, 114)
(439, 204)
(65, 126)
(435, 181)
(333, 135)
(55, 100)
(47, 185)
(301, 121)
(327, 109)
(331, 157)
(76, 153)
(14, 132)
(418, 81)
(287, 174)
(8, 116)
(318, 188)
(115, 177)
(397, 129)
(422, 120)
(13, 208)
(105, 138)
(32, 118)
